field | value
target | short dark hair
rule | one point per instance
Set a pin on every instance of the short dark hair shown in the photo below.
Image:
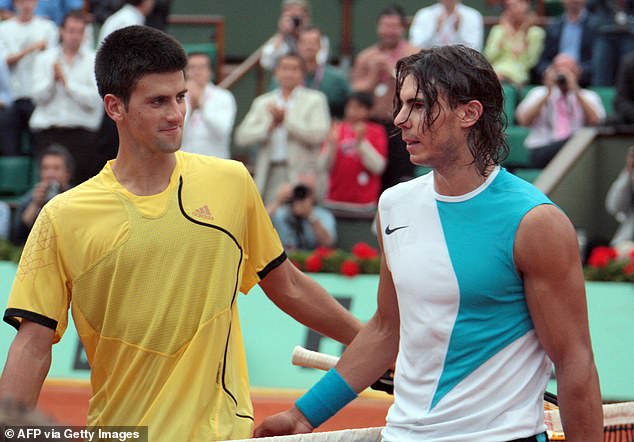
(292, 54)
(460, 74)
(365, 99)
(59, 151)
(132, 52)
(77, 14)
(393, 9)
(134, 2)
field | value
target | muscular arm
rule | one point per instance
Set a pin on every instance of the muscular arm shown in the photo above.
(307, 302)
(547, 256)
(27, 364)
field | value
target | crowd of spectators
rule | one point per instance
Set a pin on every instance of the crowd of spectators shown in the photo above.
(330, 124)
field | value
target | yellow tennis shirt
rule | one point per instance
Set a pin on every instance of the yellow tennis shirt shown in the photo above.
(152, 282)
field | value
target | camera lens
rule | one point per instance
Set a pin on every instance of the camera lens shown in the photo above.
(297, 20)
(560, 79)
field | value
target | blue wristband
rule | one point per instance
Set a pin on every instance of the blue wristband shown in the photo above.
(325, 398)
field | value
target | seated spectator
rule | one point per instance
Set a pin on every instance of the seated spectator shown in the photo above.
(515, 44)
(619, 201)
(447, 22)
(624, 97)
(373, 72)
(56, 170)
(295, 15)
(211, 111)
(68, 108)
(301, 223)
(614, 39)
(133, 12)
(355, 156)
(557, 110)
(322, 76)
(23, 37)
(288, 126)
(573, 33)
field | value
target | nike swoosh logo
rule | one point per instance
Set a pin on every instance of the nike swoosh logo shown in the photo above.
(389, 231)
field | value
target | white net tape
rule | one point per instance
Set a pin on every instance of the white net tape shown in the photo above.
(357, 435)
(614, 415)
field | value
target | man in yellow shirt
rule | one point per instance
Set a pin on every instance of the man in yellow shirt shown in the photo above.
(150, 255)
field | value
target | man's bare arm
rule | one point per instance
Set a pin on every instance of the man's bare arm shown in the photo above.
(27, 364)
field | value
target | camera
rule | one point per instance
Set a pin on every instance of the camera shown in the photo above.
(53, 189)
(297, 20)
(561, 81)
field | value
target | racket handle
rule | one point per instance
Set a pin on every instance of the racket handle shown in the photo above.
(313, 359)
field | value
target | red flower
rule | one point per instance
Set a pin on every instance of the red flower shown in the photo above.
(364, 251)
(323, 252)
(629, 269)
(349, 267)
(313, 263)
(601, 256)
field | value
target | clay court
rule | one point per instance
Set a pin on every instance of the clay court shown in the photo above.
(67, 402)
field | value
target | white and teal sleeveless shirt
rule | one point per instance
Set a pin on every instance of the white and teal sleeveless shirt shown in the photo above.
(470, 366)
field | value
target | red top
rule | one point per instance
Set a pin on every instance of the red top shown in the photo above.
(350, 181)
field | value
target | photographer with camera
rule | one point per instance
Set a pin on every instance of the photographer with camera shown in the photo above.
(557, 110)
(56, 167)
(300, 222)
(295, 15)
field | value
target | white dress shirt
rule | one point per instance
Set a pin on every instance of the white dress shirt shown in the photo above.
(424, 33)
(208, 129)
(74, 105)
(15, 36)
(128, 15)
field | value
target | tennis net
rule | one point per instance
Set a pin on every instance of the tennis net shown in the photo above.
(618, 426)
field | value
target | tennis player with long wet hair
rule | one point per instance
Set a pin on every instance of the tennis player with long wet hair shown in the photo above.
(481, 287)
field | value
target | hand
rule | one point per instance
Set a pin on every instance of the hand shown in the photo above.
(285, 24)
(288, 422)
(284, 194)
(359, 130)
(550, 76)
(37, 46)
(39, 193)
(278, 114)
(333, 135)
(58, 73)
